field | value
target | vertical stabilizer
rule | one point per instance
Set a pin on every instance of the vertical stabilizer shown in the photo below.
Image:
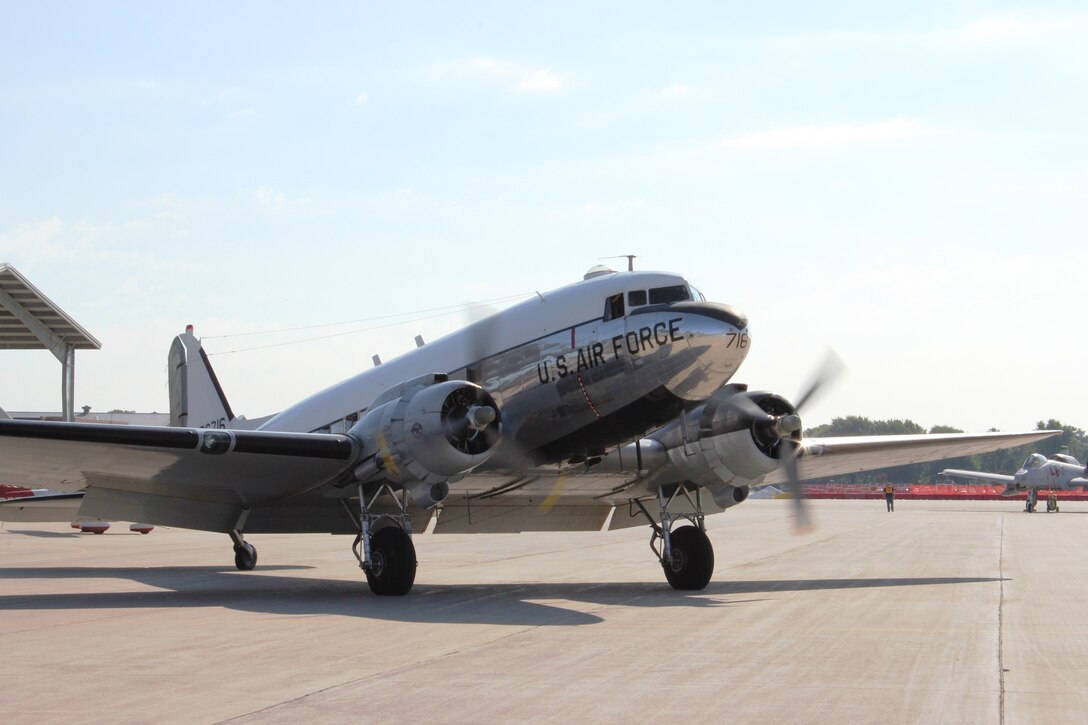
(196, 398)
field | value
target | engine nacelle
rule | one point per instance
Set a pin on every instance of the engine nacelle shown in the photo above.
(426, 435)
(738, 442)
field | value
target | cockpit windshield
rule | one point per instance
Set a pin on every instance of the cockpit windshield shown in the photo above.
(1035, 460)
(673, 293)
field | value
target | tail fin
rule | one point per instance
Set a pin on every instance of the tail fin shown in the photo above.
(196, 398)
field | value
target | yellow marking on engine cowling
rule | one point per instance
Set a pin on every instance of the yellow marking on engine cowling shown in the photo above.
(386, 455)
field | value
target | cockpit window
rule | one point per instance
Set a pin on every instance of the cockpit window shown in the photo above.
(613, 307)
(697, 295)
(665, 295)
(1034, 461)
(636, 297)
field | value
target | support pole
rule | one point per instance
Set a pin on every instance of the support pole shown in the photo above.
(68, 383)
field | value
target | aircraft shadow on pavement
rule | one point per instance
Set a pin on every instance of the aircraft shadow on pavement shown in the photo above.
(510, 604)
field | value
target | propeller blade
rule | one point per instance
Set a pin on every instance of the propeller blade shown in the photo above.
(509, 455)
(831, 367)
(748, 407)
(802, 523)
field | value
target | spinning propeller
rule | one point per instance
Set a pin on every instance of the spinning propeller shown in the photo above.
(829, 369)
(781, 428)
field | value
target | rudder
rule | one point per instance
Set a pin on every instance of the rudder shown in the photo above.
(196, 398)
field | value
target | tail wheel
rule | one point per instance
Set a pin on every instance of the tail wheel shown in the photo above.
(691, 560)
(393, 568)
(245, 556)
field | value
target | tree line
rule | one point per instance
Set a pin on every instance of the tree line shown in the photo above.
(1072, 441)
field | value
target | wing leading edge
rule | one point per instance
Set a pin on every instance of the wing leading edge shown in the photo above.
(822, 457)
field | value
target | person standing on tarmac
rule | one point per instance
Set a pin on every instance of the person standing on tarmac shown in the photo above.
(889, 496)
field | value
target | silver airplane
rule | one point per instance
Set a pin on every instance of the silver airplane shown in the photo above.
(600, 405)
(1062, 472)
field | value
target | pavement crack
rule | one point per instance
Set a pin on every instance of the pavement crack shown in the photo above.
(1001, 623)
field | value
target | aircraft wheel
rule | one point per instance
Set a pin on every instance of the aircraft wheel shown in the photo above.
(245, 556)
(393, 557)
(692, 560)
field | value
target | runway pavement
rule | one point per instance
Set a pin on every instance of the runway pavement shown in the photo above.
(950, 612)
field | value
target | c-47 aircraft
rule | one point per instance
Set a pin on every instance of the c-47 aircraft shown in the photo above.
(597, 405)
(1062, 472)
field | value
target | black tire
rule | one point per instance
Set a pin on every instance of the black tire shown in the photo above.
(394, 563)
(692, 562)
(245, 556)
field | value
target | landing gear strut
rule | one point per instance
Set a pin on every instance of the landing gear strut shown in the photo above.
(1033, 499)
(245, 553)
(384, 545)
(686, 553)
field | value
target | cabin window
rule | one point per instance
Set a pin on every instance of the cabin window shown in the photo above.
(613, 307)
(636, 297)
(665, 295)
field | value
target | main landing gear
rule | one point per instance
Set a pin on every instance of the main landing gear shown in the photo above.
(1052, 503)
(1033, 500)
(384, 545)
(686, 553)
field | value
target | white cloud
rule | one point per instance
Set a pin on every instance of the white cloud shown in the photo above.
(610, 208)
(84, 242)
(1019, 27)
(269, 197)
(518, 77)
(361, 99)
(677, 91)
(825, 136)
(542, 80)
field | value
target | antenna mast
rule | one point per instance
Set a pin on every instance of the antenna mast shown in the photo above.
(629, 257)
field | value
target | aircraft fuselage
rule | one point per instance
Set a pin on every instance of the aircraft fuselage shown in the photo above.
(574, 371)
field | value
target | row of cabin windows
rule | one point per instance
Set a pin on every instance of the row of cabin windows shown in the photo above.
(341, 426)
(613, 307)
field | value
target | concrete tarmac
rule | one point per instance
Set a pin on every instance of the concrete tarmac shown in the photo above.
(942, 612)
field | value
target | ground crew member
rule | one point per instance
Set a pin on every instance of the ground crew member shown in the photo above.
(889, 496)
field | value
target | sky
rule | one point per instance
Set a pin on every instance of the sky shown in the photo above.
(905, 184)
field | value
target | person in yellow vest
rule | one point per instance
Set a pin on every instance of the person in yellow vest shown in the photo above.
(889, 496)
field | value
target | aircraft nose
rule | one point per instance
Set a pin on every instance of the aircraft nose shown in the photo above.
(728, 314)
(718, 335)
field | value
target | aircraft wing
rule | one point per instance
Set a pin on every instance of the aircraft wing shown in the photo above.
(190, 477)
(981, 476)
(218, 480)
(823, 457)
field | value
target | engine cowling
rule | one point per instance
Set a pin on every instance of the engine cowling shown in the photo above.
(428, 436)
(741, 436)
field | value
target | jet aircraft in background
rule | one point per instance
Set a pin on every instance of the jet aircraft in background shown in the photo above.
(1062, 472)
(600, 405)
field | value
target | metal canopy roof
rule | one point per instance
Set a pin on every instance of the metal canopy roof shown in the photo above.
(30, 321)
